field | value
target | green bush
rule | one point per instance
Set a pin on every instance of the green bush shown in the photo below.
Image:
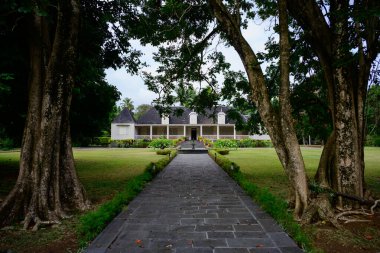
(205, 141)
(163, 152)
(222, 151)
(101, 141)
(161, 143)
(92, 223)
(141, 143)
(246, 143)
(225, 143)
(178, 141)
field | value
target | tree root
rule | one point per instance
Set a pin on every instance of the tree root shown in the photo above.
(341, 216)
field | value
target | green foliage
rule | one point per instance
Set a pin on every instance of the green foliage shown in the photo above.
(127, 103)
(273, 205)
(373, 110)
(246, 143)
(140, 110)
(373, 141)
(206, 142)
(6, 143)
(130, 143)
(178, 141)
(163, 152)
(161, 143)
(225, 143)
(92, 223)
(222, 151)
(101, 141)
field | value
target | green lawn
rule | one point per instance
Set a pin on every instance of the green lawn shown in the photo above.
(262, 166)
(103, 172)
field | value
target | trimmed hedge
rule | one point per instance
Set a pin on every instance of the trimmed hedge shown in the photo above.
(163, 152)
(222, 151)
(273, 205)
(226, 143)
(92, 223)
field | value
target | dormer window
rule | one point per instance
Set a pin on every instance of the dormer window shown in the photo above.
(165, 120)
(221, 118)
(193, 118)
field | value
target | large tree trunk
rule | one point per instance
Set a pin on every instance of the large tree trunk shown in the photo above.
(347, 77)
(47, 185)
(278, 123)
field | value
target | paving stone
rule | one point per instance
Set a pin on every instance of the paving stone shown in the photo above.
(282, 239)
(250, 234)
(193, 207)
(231, 250)
(211, 243)
(226, 221)
(251, 227)
(248, 243)
(291, 250)
(214, 228)
(264, 250)
(220, 235)
(194, 250)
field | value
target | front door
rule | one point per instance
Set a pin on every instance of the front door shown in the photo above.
(193, 133)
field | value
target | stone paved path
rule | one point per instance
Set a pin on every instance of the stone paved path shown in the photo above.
(193, 206)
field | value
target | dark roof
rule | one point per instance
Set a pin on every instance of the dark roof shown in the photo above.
(125, 116)
(152, 116)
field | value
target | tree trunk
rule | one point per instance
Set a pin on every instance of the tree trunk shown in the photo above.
(278, 123)
(47, 185)
(347, 77)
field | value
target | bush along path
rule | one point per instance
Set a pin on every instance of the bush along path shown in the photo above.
(274, 206)
(193, 206)
(92, 223)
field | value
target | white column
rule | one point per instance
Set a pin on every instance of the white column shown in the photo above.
(201, 131)
(234, 133)
(184, 130)
(151, 132)
(167, 132)
(217, 132)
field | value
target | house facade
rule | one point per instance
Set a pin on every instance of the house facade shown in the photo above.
(189, 124)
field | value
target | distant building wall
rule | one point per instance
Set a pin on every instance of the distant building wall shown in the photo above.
(120, 131)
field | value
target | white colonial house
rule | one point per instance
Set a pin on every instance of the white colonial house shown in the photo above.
(189, 124)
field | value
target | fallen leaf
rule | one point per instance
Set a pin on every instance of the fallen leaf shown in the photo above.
(259, 245)
(368, 237)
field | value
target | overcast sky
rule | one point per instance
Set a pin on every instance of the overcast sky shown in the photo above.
(134, 88)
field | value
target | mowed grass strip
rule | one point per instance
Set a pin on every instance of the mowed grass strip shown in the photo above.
(262, 167)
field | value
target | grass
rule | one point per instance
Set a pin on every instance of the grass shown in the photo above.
(267, 172)
(104, 173)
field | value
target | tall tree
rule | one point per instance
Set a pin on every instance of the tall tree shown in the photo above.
(47, 186)
(141, 109)
(350, 34)
(47, 183)
(127, 103)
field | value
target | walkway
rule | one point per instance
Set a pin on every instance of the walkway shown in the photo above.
(193, 206)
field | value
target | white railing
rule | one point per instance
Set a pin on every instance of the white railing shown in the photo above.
(240, 137)
(146, 137)
(226, 136)
(173, 137)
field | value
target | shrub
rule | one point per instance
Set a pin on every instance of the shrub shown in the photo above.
(141, 143)
(225, 143)
(163, 152)
(246, 143)
(161, 143)
(205, 141)
(101, 141)
(178, 141)
(223, 151)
